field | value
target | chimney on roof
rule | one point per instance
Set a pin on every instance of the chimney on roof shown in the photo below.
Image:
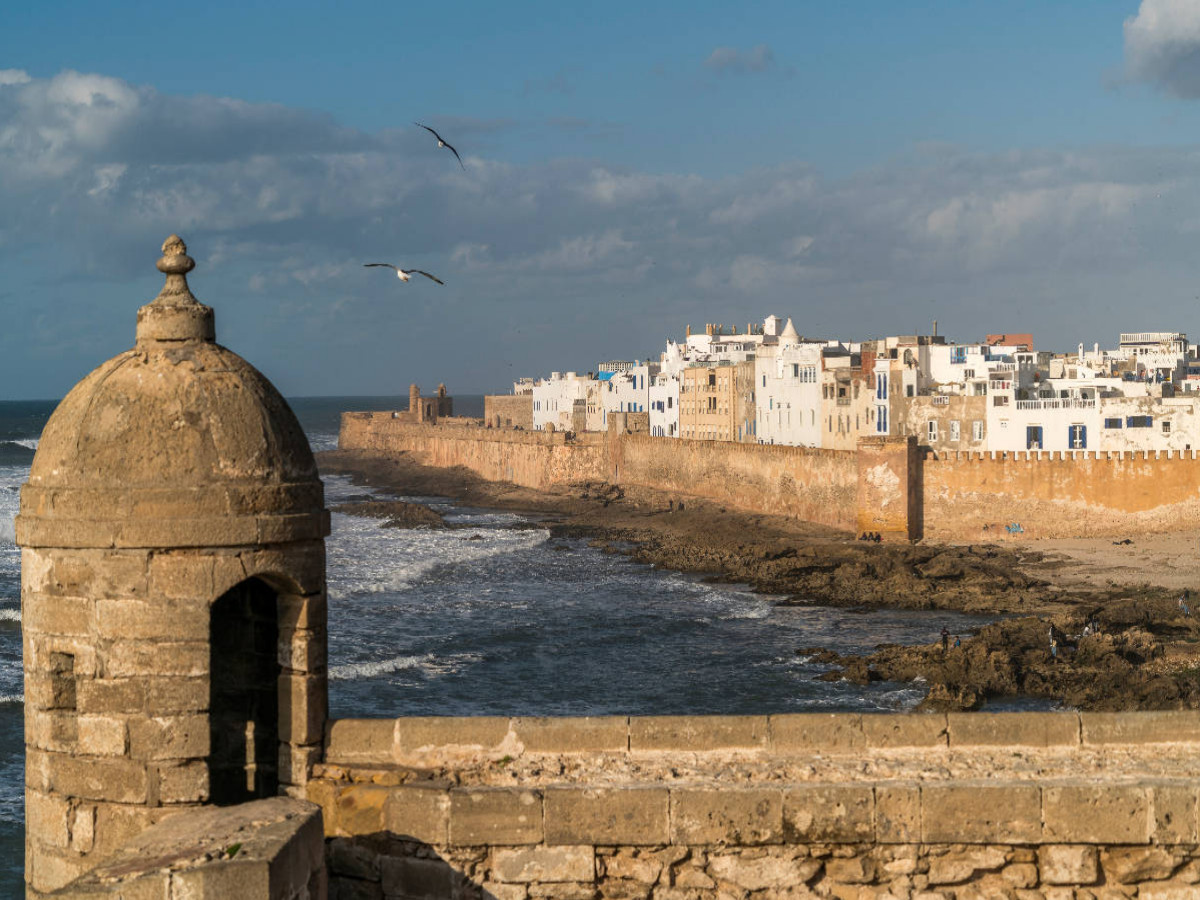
(935, 327)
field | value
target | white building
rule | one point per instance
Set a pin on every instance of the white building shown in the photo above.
(561, 401)
(787, 390)
(628, 390)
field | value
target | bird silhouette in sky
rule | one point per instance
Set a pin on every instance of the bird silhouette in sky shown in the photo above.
(442, 143)
(405, 274)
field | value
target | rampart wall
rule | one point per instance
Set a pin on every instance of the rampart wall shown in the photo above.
(814, 485)
(886, 485)
(1058, 495)
(791, 806)
(534, 459)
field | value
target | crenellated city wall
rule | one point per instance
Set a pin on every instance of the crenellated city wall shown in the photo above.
(975, 496)
(800, 806)
(886, 485)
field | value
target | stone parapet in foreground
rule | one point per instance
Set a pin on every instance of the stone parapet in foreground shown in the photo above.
(264, 850)
(1020, 805)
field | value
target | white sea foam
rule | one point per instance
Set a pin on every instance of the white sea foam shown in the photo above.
(27, 443)
(8, 531)
(11, 698)
(352, 671)
(10, 615)
(428, 664)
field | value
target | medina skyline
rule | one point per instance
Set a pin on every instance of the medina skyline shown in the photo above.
(862, 169)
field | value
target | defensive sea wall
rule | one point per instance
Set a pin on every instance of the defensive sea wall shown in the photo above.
(887, 485)
(1018, 805)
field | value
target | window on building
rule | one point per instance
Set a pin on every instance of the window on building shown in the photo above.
(795, 370)
(1112, 423)
(1166, 426)
(1077, 437)
(881, 387)
(712, 379)
(954, 430)
(670, 403)
(764, 381)
(933, 430)
(1033, 437)
(881, 422)
(1000, 400)
(1138, 421)
(910, 390)
(977, 430)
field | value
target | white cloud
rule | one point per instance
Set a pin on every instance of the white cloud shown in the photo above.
(13, 76)
(759, 58)
(1162, 45)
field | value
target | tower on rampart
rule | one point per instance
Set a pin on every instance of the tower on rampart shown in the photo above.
(173, 592)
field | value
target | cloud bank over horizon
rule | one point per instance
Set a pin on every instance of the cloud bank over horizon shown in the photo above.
(553, 264)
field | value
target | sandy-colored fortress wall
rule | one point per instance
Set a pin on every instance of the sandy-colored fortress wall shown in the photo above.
(814, 485)
(889, 485)
(797, 806)
(1059, 495)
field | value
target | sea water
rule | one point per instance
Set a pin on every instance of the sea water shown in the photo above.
(497, 617)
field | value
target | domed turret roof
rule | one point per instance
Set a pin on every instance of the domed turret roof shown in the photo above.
(789, 332)
(177, 442)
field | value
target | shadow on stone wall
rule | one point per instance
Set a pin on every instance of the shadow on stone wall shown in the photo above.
(388, 866)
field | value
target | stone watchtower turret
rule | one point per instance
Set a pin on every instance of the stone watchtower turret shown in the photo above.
(173, 592)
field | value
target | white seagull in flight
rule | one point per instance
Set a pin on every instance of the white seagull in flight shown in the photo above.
(405, 274)
(442, 143)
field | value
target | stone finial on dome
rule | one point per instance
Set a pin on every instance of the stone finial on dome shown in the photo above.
(175, 314)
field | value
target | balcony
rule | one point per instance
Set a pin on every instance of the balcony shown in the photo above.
(1068, 403)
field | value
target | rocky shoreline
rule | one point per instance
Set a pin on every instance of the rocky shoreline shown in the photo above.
(1145, 653)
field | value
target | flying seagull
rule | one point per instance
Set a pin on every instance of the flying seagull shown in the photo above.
(442, 143)
(405, 274)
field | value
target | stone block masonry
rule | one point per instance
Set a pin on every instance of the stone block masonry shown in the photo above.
(810, 805)
(887, 485)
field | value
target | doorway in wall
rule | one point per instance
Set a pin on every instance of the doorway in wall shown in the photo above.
(244, 694)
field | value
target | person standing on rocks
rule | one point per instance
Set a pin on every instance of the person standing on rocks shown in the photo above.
(945, 639)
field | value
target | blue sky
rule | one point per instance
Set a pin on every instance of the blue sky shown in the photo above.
(862, 167)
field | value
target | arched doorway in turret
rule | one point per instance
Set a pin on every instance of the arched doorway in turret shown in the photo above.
(244, 694)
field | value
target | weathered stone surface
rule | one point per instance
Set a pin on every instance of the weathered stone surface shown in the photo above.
(1131, 865)
(169, 737)
(763, 873)
(1027, 729)
(425, 734)
(840, 813)
(1148, 727)
(420, 813)
(634, 816)
(1175, 812)
(495, 816)
(897, 813)
(1068, 863)
(959, 865)
(641, 866)
(852, 870)
(740, 817)
(981, 813)
(696, 733)
(906, 730)
(592, 734)
(1097, 813)
(360, 740)
(552, 864)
